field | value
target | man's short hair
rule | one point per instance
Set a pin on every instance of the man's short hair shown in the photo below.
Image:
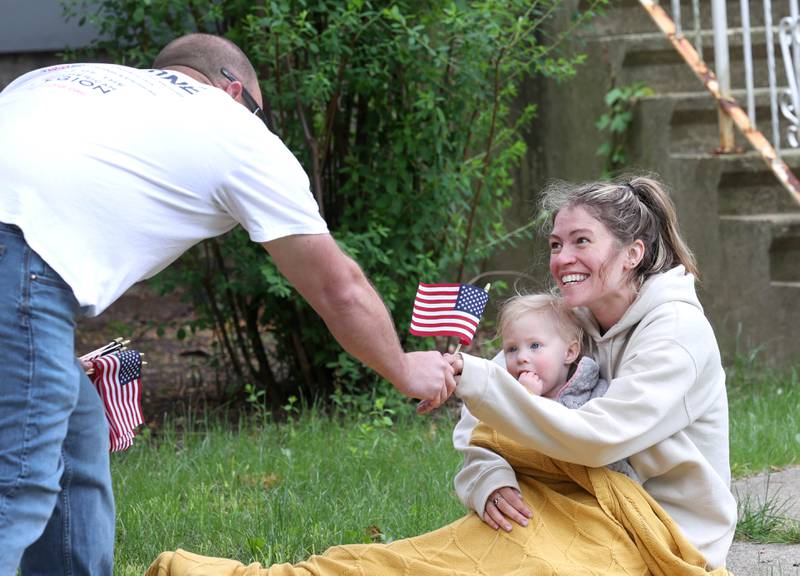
(207, 54)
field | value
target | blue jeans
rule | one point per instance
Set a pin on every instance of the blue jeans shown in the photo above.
(56, 504)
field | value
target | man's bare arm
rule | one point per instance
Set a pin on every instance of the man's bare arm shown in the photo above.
(338, 290)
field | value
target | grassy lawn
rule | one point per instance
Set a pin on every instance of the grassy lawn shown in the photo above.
(765, 435)
(764, 417)
(278, 493)
(266, 492)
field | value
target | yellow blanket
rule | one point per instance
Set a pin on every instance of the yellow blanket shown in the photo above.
(586, 521)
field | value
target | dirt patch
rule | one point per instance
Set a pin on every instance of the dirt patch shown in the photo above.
(178, 372)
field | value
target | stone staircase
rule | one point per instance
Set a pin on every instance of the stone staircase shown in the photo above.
(742, 225)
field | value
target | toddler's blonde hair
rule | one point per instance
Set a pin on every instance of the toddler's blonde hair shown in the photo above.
(564, 319)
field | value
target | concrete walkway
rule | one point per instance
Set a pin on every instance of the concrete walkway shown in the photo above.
(749, 559)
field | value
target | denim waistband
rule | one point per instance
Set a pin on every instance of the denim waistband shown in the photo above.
(11, 228)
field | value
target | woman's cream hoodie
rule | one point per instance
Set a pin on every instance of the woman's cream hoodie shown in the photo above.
(666, 411)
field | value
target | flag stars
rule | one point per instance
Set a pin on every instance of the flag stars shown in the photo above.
(130, 366)
(117, 379)
(448, 310)
(472, 299)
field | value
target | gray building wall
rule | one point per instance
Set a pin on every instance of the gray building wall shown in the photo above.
(33, 33)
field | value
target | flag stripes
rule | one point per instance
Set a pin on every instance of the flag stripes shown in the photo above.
(447, 310)
(117, 379)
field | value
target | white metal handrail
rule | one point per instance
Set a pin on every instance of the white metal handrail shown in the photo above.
(722, 66)
(784, 101)
(719, 87)
(790, 99)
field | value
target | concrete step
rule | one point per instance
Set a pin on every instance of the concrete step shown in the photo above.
(650, 58)
(694, 123)
(747, 186)
(784, 253)
(783, 246)
(757, 288)
(693, 119)
(629, 17)
(686, 126)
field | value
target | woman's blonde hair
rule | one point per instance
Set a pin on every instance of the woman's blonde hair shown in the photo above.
(566, 322)
(632, 208)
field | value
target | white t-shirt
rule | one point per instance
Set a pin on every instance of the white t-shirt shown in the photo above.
(113, 172)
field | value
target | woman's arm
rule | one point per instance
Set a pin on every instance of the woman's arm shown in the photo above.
(659, 388)
(482, 471)
(484, 476)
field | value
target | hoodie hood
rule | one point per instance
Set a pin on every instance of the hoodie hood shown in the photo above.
(674, 285)
(583, 385)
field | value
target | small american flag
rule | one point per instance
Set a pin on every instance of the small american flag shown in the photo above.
(448, 310)
(117, 379)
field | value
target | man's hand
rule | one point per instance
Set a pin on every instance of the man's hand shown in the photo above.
(503, 505)
(86, 365)
(427, 377)
(337, 289)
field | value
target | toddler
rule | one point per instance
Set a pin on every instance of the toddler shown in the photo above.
(542, 344)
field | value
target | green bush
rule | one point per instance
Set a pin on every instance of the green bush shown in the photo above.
(405, 117)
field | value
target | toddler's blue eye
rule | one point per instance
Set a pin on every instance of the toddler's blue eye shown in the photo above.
(535, 346)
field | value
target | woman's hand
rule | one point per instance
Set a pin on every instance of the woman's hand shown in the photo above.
(506, 504)
(456, 363)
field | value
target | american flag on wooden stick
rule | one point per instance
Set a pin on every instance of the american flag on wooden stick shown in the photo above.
(116, 374)
(448, 310)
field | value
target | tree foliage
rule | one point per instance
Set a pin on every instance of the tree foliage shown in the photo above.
(405, 116)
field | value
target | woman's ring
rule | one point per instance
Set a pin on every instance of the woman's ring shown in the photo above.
(496, 500)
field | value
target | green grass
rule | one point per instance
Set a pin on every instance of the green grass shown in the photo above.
(765, 436)
(764, 417)
(271, 492)
(763, 519)
(278, 493)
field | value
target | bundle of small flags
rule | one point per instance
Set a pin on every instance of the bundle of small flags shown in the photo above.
(448, 310)
(116, 374)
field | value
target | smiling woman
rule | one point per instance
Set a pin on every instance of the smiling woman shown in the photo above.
(590, 267)
(619, 262)
(607, 238)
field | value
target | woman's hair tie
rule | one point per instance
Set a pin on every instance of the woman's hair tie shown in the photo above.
(640, 196)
